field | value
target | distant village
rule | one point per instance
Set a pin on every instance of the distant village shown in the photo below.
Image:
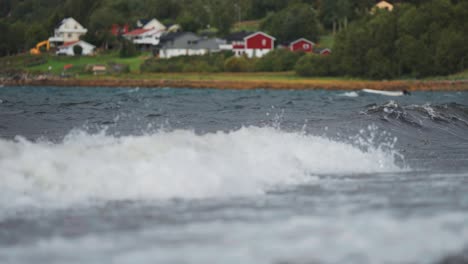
(167, 41)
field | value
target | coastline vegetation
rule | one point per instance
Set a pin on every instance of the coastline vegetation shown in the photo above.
(417, 40)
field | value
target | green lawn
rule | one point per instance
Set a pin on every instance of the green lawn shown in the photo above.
(58, 62)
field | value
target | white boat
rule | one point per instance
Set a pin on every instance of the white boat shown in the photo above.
(387, 93)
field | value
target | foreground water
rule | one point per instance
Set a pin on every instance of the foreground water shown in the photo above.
(101, 175)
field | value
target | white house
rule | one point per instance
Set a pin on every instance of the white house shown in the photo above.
(144, 37)
(147, 34)
(67, 48)
(154, 24)
(69, 30)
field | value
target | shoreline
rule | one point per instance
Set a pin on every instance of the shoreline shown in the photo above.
(301, 84)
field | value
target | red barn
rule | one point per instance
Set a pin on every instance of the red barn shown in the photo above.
(251, 44)
(302, 44)
(259, 40)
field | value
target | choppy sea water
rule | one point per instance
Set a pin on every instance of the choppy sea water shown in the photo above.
(105, 175)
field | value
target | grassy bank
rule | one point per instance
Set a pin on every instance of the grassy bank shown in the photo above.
(26, 62)
(243, 80)
(224, 76)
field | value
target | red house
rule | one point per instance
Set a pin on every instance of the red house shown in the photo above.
(302, 44)
(325, 52)
(251, 44)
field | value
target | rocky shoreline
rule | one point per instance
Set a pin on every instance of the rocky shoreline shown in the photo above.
(410, 85)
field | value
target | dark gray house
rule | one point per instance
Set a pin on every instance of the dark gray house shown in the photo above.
(187, 44)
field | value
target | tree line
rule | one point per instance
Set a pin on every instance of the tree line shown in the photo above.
(415, 40)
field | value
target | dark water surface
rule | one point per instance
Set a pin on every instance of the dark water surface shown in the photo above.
(100, 175)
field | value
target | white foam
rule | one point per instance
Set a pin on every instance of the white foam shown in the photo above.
(173, 164)
(354, 239)
(350, 94)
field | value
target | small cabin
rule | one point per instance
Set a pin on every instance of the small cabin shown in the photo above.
(303, 45)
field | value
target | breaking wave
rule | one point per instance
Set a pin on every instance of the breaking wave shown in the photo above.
(176, 164)
(417, 115)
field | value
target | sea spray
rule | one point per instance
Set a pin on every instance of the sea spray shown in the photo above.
(175, 164)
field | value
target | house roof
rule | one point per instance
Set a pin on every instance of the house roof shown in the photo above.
(384, 5)
(154, 23)
(137, 32)
(238, 36)
(321, 51)
(257, 33)
(68, 44)
(174, 35)
(194, 41)
(302, 39)
(67, 19)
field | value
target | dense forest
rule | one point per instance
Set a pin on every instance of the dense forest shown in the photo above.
(412, 41)
(419, 38)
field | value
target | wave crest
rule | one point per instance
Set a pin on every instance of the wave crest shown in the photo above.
(182, 164)
(416, 115)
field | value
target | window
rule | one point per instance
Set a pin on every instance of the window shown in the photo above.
(264, 42)
(69, 35)
(306, 46)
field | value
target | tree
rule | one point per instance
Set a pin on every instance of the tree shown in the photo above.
(189, 23)
(451, 52)
(80, 9)
(5, 29)
(222, 17)
(5, 7)
(128, 49)
(100, 23)
(17, 37)
(335, 14)
(296, 21)
(163, 9)
(260, 8)
(35, 34)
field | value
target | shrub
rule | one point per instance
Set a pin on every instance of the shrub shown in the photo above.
(204, 63)
(315, 65)
(237, 64)
(278, 60)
